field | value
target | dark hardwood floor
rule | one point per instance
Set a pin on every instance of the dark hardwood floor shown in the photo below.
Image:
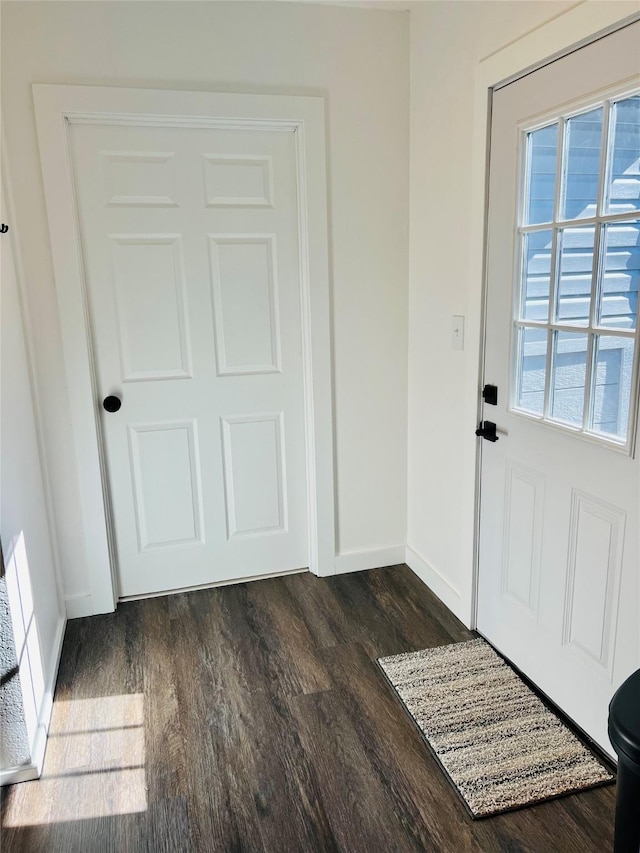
(253, 717)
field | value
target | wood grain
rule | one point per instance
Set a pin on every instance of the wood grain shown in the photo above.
(254, 718)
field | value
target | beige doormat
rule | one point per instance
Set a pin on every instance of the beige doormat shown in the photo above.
(495, 739)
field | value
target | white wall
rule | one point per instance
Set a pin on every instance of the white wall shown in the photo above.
(358, 60)
(458, 50)
(35, 606)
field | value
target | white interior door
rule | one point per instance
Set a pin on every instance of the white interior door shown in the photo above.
(190, 251)
(559, 559)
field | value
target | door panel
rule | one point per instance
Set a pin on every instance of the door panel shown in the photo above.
(245, 304)
(190, 250)
(253, 449)
(522, 545)
(149, 295)
(166, 484)
(558, 586)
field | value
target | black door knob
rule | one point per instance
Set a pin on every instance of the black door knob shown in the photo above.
(111, 403)
(487, 430)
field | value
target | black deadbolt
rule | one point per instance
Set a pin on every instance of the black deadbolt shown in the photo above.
(111, 403)
(490, 395)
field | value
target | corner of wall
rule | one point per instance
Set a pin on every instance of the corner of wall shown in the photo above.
(439, 585)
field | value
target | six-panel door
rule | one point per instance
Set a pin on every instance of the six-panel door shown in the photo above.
(190, 252)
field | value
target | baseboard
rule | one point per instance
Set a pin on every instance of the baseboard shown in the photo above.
(21, 773)
(78, 606)
(376, 558)
(436, 582)
(40, 739)
(32, 770)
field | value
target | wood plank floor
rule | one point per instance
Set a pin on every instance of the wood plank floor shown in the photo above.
(254, 718)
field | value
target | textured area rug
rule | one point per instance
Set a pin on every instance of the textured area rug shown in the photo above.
(499, 744)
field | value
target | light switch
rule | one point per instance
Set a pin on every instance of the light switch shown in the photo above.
(457, 332)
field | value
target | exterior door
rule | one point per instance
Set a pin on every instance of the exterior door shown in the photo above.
(559, 558)
(190, 251)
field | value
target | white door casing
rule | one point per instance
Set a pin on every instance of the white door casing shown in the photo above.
(70, 121)
(558, 548)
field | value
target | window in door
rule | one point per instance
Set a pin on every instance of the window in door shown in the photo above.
(575, 320)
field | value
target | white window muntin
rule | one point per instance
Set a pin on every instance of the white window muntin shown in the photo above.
(593, 329)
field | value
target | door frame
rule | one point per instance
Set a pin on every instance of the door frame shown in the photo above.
(568, 32)
(58, 106)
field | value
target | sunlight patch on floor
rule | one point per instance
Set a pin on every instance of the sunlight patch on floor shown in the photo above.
(94, 766)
